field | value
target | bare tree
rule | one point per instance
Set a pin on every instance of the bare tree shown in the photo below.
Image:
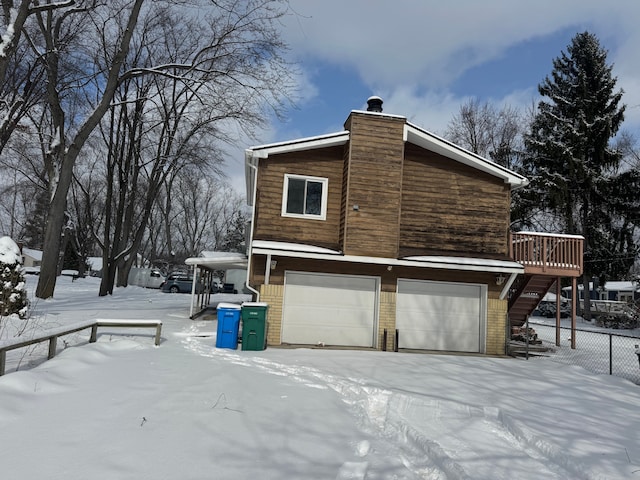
(63, 154)
(229, 64)
(22, 69)
(190, 82)
(489, 132)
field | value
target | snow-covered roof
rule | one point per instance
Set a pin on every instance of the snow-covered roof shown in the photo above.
(441, 262)
(294, 247)
(615, 286)
(222, 255)
(412, 134)
(425, 139)
(551, 297)
(219, 260)
(252, 154)
(9, 251)
(95, 263)
(35, 254)
(468, 263)
(621, 286)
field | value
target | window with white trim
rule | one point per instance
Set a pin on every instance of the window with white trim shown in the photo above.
(305, 197)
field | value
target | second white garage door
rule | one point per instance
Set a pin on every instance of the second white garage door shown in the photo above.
(329, 309)
(441, 316)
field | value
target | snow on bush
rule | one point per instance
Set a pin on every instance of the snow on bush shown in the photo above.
(13, 294)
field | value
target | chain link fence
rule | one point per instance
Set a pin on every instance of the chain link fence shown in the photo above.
(597, 350)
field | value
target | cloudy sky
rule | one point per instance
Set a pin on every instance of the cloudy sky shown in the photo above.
(425, 58)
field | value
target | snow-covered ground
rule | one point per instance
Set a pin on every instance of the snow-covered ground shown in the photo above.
(122, 408)
(599, 350)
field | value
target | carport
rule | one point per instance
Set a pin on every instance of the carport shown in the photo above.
(204, 267)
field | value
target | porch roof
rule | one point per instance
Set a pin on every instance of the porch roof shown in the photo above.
(219, 260)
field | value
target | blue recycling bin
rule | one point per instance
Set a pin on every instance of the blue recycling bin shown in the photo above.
(228, 325)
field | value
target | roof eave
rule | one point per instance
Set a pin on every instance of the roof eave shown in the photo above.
(254, 154)
(442, 263)
(423, 138)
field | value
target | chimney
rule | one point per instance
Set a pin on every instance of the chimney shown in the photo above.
(374, 104)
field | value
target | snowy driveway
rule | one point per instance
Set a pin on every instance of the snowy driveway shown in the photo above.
(122, 408)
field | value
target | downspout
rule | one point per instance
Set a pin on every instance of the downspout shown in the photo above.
(249, 161)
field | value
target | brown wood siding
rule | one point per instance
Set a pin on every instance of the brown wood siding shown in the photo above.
(374, 183)
(269, 222)
(451, 209)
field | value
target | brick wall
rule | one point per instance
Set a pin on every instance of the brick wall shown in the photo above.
(496, 319)
(273, 295)
(496, 326)
(387, 319)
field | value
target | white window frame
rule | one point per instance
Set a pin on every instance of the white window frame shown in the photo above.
(323, 205)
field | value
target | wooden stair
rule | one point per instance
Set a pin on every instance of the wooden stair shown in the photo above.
(546, 258)
(526, 296)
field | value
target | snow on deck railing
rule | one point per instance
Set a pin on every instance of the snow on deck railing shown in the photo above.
(548, 253)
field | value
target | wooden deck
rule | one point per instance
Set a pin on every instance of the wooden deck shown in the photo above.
(546, 259)
(548, 254)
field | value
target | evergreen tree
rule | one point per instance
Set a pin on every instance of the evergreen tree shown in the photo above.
(571, 163)
(13, 294)
(234, 239)
(33, 231)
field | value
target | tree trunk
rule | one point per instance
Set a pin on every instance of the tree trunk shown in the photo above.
(53, 236)
(55, 219)
(586, 305)
(586, 276)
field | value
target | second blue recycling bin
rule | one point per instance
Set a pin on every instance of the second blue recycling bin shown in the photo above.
(228, 325)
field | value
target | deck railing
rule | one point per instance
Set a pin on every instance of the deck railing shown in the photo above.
(548, 254)
(51, 336)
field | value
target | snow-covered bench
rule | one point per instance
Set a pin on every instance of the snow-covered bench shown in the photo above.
(52, 335)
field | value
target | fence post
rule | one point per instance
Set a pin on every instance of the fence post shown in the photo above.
(94, 333)
(526, 338)
(610, 354)
(158, 331)
(53, 341)
(3, 361)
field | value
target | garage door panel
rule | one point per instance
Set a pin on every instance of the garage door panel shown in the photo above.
(439, 316)
(329, 309)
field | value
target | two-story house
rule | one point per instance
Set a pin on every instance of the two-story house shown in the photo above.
(382, 235)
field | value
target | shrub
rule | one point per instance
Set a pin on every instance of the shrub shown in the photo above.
(13, 293)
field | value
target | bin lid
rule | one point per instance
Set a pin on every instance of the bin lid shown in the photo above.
(229, 306)
(255, 304)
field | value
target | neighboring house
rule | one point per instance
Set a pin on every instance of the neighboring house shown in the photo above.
(236, 277)
(95, 266)
(381, 236)
(622, 291)
(31, 257)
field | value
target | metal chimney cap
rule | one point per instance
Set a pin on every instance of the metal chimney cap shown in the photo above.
(374, 104)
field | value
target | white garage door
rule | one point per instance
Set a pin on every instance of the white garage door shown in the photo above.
(329, 309)
(441, 316)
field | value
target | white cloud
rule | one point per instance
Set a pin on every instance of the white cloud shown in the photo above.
(410, 51)
(389, 43)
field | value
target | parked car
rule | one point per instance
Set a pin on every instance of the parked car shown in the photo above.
(178, 282)
(228, 288)
(548, 309)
